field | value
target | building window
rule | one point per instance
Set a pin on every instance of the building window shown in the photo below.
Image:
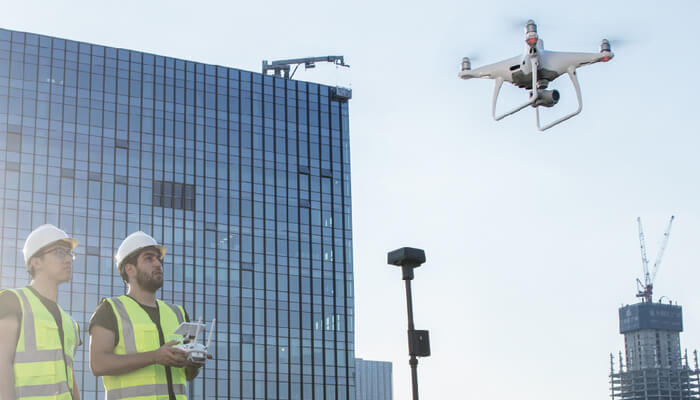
(13, 142)
(173, 195)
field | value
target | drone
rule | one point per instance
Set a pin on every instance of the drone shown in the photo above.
(196, 352)
(533, 71)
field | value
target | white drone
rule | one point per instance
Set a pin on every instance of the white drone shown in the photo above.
(196, 352)
(533, 71)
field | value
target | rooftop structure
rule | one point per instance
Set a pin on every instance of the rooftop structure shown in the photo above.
(244, 177)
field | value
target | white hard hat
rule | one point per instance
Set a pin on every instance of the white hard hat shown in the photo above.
(133, 243)
(43, 236)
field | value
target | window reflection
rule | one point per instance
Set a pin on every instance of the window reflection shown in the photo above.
(239, 175)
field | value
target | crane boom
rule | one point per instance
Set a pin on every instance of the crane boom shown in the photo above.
(657, 263)
(646, 288)
(643, 248)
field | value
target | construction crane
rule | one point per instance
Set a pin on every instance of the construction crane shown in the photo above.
(644, 290)
(283, 67)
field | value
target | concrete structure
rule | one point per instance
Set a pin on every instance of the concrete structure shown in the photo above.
(373, 380)
(244, 177)
(653, 367)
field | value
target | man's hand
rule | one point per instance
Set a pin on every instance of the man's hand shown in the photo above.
(103, 361)
(197, 364)
(170, 356)
(192, 369)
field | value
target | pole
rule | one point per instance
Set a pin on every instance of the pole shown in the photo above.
(413, 361)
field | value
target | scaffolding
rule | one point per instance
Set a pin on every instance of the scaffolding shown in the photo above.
(661, 383)
(653, 367)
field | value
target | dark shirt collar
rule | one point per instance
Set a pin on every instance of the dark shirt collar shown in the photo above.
(42, 298)
(143, 305)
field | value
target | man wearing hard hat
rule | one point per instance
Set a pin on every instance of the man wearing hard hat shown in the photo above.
(131, 344)
(37, 338)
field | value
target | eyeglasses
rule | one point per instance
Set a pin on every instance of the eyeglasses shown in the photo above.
(60, 252)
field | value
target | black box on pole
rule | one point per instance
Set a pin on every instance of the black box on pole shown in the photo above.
(418, 343)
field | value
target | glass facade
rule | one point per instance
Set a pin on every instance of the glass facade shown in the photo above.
(244, 177)
(373, 380)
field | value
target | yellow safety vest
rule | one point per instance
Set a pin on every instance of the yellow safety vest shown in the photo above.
(43, 368)
(138, 334)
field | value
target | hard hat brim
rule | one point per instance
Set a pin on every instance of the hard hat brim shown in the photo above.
(72, 242)
(69, 241)
(161, 249)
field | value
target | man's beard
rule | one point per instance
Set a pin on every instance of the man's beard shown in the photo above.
(147, 281)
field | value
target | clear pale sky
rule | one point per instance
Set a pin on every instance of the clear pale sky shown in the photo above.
(531, 238)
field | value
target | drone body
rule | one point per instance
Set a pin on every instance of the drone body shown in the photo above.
(533, 71)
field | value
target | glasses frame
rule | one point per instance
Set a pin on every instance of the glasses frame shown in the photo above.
(61, 252)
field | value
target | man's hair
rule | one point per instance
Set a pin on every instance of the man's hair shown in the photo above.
(129, 260)
(40, 254)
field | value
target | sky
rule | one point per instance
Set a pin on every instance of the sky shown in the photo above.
(531, 238)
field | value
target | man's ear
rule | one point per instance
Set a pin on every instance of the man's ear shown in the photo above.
(127, 267)
(33, 262)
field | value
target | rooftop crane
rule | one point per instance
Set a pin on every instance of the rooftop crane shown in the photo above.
(644, 290)
(282, 69)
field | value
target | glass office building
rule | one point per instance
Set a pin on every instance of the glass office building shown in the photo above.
(373, 380)
(244, 177)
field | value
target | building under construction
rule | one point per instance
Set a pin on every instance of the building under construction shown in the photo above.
(653, 366)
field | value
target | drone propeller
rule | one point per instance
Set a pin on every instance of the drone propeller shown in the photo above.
(517, 24)
(614, 42)
(467, 61)
(617, 42)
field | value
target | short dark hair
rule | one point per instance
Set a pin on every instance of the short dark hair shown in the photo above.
(129, 260)
(39, 253)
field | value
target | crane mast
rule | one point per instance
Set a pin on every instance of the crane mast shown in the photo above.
(645, 290)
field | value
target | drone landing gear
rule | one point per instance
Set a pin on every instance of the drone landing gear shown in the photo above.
(574, 79)
(536, 99)
(496, 91)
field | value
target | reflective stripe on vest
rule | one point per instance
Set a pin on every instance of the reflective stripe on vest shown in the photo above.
(138, 334)
(127, 327)
(43, 390)
(38, 356)
(40, 371)
(145, 390)
(178, 313)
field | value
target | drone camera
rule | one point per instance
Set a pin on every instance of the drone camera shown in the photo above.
(547, 98)
(466, 64)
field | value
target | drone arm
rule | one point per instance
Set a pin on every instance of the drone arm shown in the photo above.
(574, 79)
(497, 70)
(561, 61)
